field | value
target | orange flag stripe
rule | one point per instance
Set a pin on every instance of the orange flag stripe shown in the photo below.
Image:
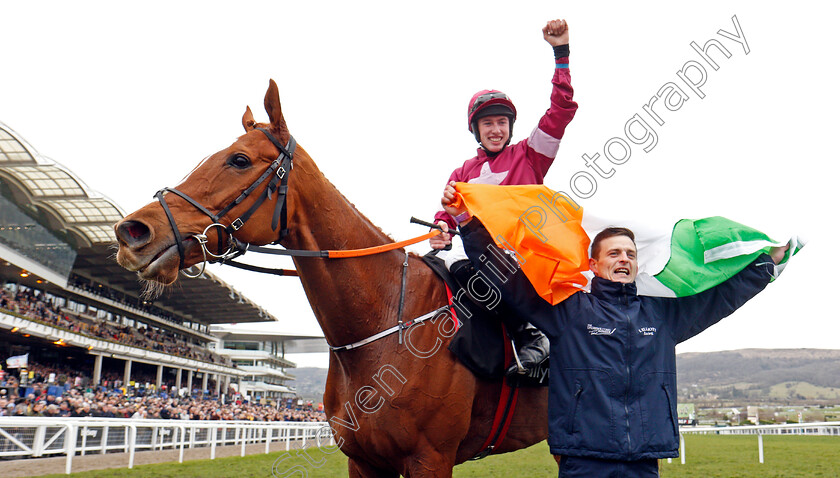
(543, 227)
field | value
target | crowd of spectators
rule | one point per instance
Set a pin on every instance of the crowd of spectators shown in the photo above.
(74, 397)
(57, 379)
(158, 406)
(35, 305)
(56, 390)
(117, 296)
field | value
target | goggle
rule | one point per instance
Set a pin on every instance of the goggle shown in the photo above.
(487, 97)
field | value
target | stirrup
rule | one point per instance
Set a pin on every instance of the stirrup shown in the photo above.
(483, 453)
(520, 369)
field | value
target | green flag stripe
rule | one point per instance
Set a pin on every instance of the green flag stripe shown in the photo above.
(718, 231)
(687, 272)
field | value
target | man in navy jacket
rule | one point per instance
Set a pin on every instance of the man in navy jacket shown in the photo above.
(613, 392)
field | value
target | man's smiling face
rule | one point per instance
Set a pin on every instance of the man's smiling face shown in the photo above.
(494, 132)
(616, 260)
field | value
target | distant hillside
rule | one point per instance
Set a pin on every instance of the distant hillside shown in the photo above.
(310, 382)
(780, 375)
(771, 375)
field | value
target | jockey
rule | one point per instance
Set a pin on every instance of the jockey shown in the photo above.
(490, 116)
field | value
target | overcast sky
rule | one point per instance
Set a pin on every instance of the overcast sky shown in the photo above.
(131, 98)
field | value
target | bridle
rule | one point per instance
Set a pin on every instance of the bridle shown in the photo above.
(278, 172)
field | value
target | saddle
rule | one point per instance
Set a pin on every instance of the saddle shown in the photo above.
(481, 338)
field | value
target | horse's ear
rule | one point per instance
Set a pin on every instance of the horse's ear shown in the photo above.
(275, 114)
(248, 120)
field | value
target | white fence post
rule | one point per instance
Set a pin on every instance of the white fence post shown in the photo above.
(69, 446)
(760, 449)
(104, 439)
(84, 439)
(682, 449)
(132, 444)
(38, 443)
(182, 437)
(213, 442)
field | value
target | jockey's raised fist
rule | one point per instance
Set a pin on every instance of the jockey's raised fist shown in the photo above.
(556, 32)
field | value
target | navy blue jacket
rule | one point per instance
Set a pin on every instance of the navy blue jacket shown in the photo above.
(613, 374)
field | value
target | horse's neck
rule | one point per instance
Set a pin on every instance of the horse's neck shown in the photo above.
(351, 298)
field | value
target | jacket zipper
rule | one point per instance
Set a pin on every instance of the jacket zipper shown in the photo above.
(574, 410)
(627, 370)
(671, 410)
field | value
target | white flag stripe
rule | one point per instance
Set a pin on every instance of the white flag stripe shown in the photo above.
(734, 249)
(653, 238)
(650, 286)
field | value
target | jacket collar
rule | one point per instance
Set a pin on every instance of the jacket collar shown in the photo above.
(612, 291)
(483, 155)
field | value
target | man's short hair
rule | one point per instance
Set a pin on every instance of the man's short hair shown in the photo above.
(608, 233)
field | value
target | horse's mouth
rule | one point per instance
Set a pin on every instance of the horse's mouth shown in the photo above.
(163, 267)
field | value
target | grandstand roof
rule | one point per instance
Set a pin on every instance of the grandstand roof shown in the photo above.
(65, 206)
(64, 201)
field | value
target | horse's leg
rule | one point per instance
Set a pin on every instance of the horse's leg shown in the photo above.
(431, 465)
(361, 469)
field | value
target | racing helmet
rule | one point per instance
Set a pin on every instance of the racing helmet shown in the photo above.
(489, 103)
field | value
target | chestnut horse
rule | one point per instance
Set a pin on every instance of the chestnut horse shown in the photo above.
(402, 404)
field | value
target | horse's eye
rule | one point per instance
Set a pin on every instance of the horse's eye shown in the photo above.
(239, 161)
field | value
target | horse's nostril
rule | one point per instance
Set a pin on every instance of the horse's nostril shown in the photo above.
(136, 230)
(133, 233)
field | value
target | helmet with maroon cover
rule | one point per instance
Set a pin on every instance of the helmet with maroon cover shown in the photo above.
(489, 103)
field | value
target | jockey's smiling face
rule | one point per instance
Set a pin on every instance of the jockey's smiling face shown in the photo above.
(616, 260)
(494, 132)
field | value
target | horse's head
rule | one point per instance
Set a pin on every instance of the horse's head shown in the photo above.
(236, 190)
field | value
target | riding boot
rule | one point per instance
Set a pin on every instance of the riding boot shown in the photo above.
(463, 271)
(531, 347)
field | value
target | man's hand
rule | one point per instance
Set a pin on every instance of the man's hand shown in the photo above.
(556, 32)
(443, 239)
(448, 198)
(778, 253)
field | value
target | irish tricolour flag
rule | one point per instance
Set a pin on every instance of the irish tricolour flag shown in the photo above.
(550, 235)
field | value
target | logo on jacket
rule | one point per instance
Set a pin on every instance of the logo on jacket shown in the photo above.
(599, 330)
(487, 176)
(647, 331)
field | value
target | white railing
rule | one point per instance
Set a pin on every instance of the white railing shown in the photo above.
(816, 428)
(31, 437)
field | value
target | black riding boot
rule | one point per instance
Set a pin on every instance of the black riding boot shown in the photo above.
(530, 344)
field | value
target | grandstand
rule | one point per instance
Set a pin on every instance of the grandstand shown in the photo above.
(68, 305)
(261, 353)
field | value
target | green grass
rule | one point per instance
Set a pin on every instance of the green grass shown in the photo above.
(717, 456)
(787, 390)
(707, 456)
